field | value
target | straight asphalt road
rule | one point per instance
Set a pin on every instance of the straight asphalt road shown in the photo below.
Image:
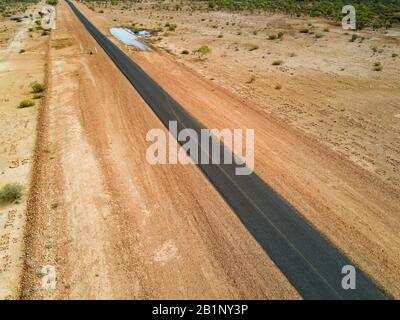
(310, 262)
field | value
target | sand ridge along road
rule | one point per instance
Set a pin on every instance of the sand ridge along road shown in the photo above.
(311, 264)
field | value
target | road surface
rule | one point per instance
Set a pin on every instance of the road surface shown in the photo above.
(311, 263)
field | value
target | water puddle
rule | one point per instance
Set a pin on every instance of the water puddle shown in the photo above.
(129, 38)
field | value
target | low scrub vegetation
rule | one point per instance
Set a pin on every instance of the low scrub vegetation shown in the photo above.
(171, 26)
(276, 36)
(378, 66)
(52, 2)
(203, 50)
(372, 13)
(11, 192)
(277, 62)
(8, 8)
(37, 87)
(26, 103)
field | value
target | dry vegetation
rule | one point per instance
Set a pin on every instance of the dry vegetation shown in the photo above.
(22, 51)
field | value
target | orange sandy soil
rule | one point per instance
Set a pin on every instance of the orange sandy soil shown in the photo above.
(17, 136)
(328, 141)
(112, 225)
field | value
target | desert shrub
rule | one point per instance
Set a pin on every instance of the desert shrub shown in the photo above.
(203, 50)
(378, 66)
(304, 30)
(318, 35)
(353, 38)
(277, 62)
(374, 13)
(171, 26)
(278, 87)
(22, 51)
(26, 103)
(185, 52)
(272, 37)
(37, 87)
(11, 192)
(394, 55)
(52, 2)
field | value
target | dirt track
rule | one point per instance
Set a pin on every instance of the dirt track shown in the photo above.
(112, 225)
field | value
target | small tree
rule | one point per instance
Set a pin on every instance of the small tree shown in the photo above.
(203, 50)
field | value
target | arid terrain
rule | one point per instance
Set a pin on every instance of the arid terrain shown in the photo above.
(23, 57)
(327, 135)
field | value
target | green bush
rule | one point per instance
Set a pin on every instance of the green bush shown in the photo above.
(11, 192)
(26, 103)
(373, 13)
(52, 2)
(37, 87)
(203, 50)
(171, 26)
